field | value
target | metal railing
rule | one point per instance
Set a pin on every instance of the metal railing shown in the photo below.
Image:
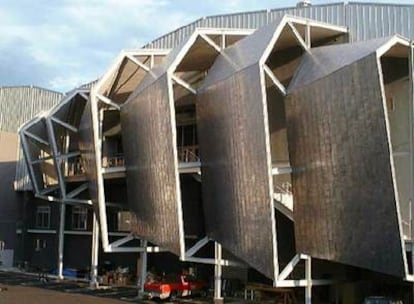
(188, 154)
(113, 161)
(282, 187)
(75, 167)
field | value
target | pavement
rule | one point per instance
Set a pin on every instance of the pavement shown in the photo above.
(21, 288)
(24, 288)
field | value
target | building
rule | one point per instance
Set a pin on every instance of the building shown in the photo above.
(17, 105)
(270, 143)
(43, 217)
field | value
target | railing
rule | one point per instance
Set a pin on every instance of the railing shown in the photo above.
(188, 154)
(113, 161)
(75, 166)
(282, 187)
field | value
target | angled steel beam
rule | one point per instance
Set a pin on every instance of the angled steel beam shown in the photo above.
(274, 79)
(107, 101)
(122, 241)
(84, 96)
(78, 190)
(48, 190)
(211, 42)
(197, 246)
(29, 165)
(56, 161)
(64, 124)
(36, 138)
(138, 63)
(298, 37)
(184, 84)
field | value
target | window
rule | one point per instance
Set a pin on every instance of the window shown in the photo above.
(40, 244)
(43, 217)
(79, 218)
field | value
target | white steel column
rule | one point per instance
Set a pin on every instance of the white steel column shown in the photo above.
(308, 277)
(144, 261)
(217, 273)
(61, 240)
(411, 107)
(93, 283)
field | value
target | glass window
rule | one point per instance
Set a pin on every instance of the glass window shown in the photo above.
(43, 217)
(40, 244)
(79, 218)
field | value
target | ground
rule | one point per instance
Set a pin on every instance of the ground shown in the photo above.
(19, 288)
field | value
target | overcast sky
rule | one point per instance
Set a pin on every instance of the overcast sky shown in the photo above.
(60, 44)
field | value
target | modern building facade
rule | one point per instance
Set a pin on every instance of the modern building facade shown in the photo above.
(262, 140)
(17, 105)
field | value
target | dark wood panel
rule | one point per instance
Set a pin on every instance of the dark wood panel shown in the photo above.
(235, 174)
(152, 178)
(345, 207)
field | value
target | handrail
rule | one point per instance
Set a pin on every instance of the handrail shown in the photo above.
(113, 161)
(282, 187)
(188, 154)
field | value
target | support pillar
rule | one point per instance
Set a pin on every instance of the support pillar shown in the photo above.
(143, 270)
(308, 276)
(218, 299)
(61, 241)
(411, 84)
(93, 283)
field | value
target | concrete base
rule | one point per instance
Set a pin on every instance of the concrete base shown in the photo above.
(219, 301)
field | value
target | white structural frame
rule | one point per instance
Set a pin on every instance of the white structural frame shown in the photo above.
(58, 158)
(97, 117)
(281, 277)
(96, 97)
(407, 246)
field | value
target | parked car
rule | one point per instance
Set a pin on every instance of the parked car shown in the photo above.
(381, 300)
(174, 286)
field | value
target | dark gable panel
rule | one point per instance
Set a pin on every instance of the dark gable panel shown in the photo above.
(345, 207)
(152, 178)
(235, 174)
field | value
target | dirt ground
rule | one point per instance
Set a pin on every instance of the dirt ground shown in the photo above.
(21, 288)
(33, 295)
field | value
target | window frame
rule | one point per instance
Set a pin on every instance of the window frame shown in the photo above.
(42, 217)
(79, 218)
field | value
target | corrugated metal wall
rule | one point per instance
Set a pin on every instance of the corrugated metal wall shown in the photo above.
(365, 20)
(18, 105)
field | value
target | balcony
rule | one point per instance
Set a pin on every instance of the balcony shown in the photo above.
(114, 166)
(113, 161)
(75, 167)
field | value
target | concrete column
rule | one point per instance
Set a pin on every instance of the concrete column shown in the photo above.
(93, 283)
(218, 299)
(61, 240)
(411, 84)
(308, 276)
(143, 270)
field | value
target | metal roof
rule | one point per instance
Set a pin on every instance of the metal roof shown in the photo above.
(365, 20)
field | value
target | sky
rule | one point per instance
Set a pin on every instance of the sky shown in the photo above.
(61, 44)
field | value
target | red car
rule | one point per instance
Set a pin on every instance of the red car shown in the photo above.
(175, 286)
